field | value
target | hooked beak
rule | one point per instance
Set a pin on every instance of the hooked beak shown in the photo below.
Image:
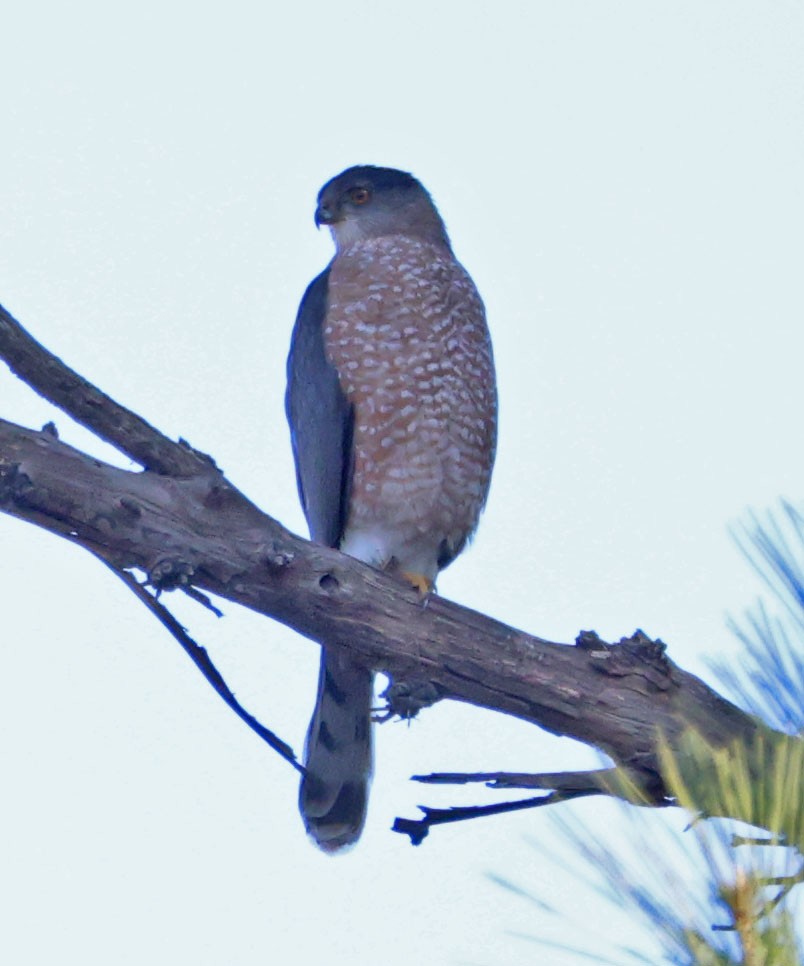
(324, 215)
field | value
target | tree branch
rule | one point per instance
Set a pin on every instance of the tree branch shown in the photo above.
(181, 516)
(90, 407)
(418, 829)
(199, 656)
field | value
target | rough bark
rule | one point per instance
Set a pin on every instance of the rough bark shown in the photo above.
(181, 522)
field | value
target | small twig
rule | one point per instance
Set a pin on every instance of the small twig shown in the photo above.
(599, 780)
(202, 661)
(203, 600)
(418, 829)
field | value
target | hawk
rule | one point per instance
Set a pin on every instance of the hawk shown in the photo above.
(392, 407)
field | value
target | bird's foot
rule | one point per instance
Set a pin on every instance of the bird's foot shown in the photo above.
(418, 581)
(405, 699)
(424, 585)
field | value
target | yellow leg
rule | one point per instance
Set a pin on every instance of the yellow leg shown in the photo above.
(419, 581)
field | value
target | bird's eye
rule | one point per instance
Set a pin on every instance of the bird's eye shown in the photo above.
(359, 196)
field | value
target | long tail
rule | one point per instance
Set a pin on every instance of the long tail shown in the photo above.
(334, 792)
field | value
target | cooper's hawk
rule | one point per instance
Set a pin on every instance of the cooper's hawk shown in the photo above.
(392, 408)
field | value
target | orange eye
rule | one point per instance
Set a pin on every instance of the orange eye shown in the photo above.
(359, 196)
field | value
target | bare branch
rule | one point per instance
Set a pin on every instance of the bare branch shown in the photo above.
(87, 405)
(617, 697)
(562, 787)
(598, 780)
(186, 525)
(199, 656)
(418, 829)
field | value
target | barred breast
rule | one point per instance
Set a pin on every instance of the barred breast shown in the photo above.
(406, 331)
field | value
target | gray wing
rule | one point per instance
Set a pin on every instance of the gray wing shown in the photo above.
(321, 420)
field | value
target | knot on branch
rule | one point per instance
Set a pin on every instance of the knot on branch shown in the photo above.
(14, 484)
(203, 457)
(219, 495)
(328, 582)
(637, 655)
(168, 573)
(121, 515)
(276, 557)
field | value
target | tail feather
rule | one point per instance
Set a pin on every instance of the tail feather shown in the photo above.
(334, 791)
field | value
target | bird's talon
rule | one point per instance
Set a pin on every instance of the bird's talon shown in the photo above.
(407, 698)
(418, 582)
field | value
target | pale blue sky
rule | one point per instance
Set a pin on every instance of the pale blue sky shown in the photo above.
(623, 181)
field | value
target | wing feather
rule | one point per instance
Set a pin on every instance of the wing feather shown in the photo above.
(321, 421)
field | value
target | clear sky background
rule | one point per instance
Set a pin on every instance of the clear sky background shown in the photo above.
(624, 182)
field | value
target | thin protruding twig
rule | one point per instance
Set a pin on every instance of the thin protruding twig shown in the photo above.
(418, 829)
(203, 600)
(602, 779)
(203, 662)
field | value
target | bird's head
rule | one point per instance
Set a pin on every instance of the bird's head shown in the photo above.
(369, 202)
